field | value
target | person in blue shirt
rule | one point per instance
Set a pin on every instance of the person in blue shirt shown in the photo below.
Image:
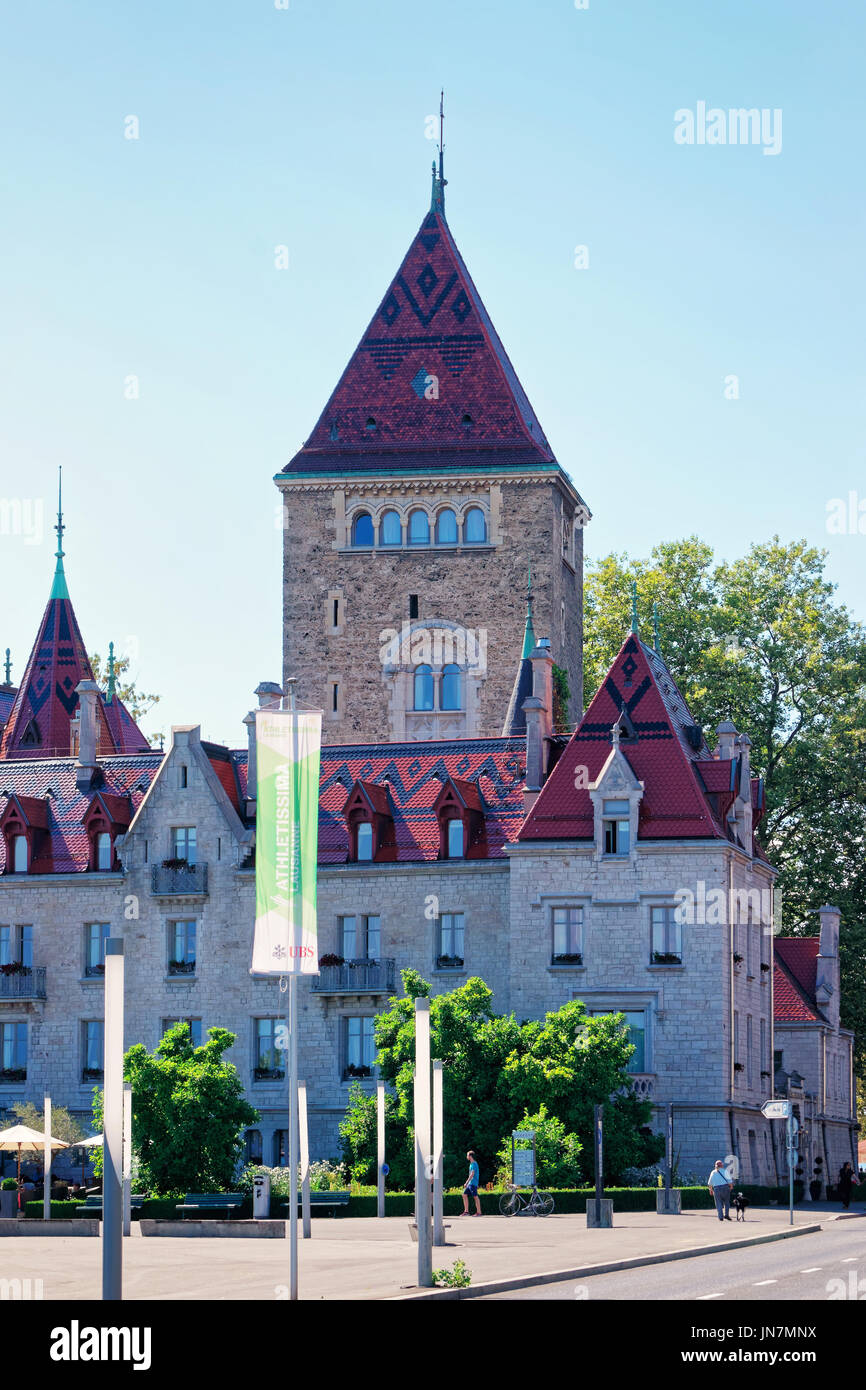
(470, 1187)
(719, 1184)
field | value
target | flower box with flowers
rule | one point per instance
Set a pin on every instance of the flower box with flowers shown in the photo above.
(449, 962)
(15, 967)
(568, 958)
(181, 967)
(13, 1073)
(352, 1070)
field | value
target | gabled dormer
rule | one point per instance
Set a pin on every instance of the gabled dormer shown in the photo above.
(616, 797)
(24, 827)
(105, 819)
(370, 823)
(459, 809)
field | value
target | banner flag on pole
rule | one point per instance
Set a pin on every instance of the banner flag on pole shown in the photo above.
(289, 746)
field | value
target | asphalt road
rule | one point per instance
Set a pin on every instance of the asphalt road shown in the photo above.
(829, 1264)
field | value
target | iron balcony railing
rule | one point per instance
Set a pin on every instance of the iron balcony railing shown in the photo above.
(357, 977)
(28, 983)
(180, 881)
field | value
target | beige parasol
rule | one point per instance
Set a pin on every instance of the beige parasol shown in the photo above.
(23, 1137)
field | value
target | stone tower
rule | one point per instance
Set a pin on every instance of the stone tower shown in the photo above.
(412, 515)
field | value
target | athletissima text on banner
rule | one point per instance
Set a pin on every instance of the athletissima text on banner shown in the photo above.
(287, 831)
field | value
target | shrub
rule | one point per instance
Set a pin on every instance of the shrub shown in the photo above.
(557, 1154)
(8, 1185)
(457, 1278)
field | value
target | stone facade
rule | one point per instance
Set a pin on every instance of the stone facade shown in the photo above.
(480, 588)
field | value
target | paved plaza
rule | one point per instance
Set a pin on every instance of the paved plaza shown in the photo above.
(365, 1258)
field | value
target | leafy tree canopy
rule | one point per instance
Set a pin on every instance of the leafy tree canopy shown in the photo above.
(495, 1070)
(763, 641)
(188, 1112)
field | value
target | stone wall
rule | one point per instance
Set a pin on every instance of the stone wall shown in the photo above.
(481, 588)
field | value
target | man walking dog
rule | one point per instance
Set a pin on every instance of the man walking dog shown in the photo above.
(720, 1186)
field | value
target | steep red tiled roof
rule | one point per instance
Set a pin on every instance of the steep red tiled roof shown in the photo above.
(431, 323)
(223, 765)
(39, 722)
(65, 849)
(415, 773)
(794, 977)
(664, 757)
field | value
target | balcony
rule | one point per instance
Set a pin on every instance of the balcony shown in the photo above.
(357, 977)
(177, 879)
(643, 1084)
(22, 984)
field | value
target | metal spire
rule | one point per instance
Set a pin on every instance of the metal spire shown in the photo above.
(528, 631)
(111, 681)
(656, 644)
(59, 589)
(8, 676)
(634, 626)
(437, 201)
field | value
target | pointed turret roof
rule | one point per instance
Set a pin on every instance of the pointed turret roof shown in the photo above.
(39, 721)
(515, 719)
(687, 792)
(430, 383)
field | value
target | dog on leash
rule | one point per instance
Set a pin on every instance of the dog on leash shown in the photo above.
(739, 1203)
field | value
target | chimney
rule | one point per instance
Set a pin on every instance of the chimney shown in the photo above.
(538, 712)
(88, 696)
(269, 696)
(827, 970)
(744, 808)
(727, 733)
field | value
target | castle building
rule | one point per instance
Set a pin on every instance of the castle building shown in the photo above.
(461, 832)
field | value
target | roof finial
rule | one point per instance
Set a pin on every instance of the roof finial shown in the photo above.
(634, 626)
(8, 663)
(111, 682)
(59, 589)
(528, 631)
(437, 202)
(656, 644)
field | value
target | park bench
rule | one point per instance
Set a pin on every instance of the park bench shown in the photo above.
(92, 1206)
(323, 1199)
(209, 1202)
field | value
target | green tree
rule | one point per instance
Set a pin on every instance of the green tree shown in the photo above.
(495, 1069)
(188, 1112)
(63, 1125)
(763, 641)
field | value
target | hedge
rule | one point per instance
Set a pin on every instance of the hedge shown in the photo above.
(570, 1200)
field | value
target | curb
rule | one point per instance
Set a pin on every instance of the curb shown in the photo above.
(528, 1281)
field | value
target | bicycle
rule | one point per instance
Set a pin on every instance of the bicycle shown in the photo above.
(514, 1203)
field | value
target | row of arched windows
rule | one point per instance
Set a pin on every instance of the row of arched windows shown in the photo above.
(445, 530)
(425, 689)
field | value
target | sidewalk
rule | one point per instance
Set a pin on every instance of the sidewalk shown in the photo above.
(364, 1258)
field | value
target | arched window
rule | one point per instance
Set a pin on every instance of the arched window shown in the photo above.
(450, 694)
(362, 529)
(365, 840)
(423, 687)
(419, 528)
(391, 529)
(446, 528)
(474, 527)
(103, 851)
(19, 853)
(454, 841)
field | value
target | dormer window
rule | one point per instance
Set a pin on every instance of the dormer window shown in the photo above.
(369, 822)
(454, 837)
(617, 838)
(20, 854)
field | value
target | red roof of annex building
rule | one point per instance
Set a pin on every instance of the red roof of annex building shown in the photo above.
(36, 720)
(794, 980)
(430, 383)
(687, 792)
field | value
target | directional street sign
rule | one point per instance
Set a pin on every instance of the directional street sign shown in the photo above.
(776, 1109)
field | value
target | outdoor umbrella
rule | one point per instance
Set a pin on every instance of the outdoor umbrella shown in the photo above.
(87, 1144)
(23, 1137)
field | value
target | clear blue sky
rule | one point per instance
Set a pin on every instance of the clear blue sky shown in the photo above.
(306, 127)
